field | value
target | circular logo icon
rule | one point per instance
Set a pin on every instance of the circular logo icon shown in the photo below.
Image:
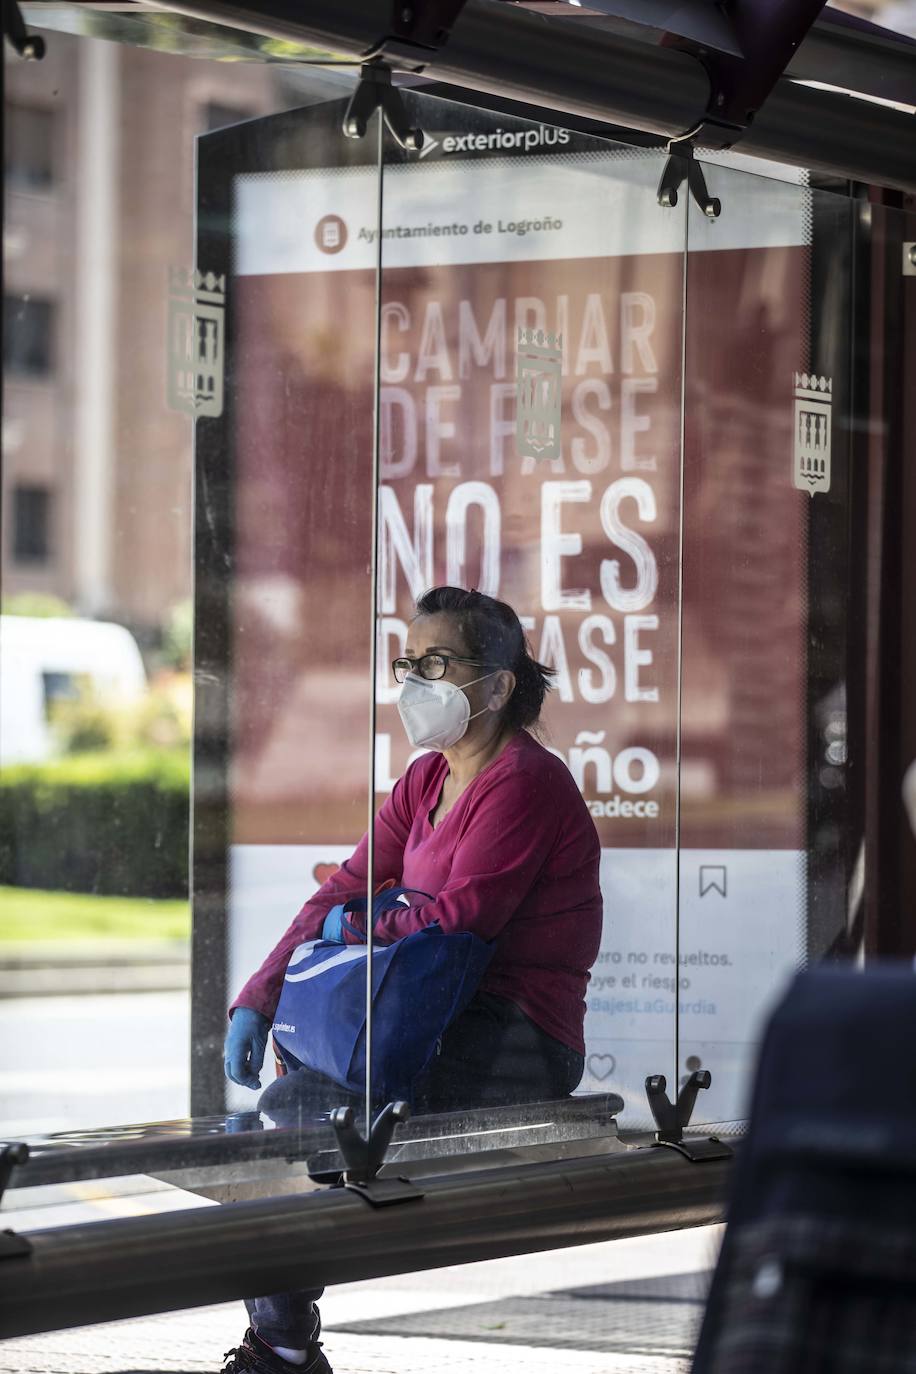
(331, 234)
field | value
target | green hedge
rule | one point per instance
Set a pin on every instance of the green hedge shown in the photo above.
(113, 823)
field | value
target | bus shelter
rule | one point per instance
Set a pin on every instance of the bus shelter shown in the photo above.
(609, 319)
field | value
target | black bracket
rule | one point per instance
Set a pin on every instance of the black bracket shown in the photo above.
(768, 37)
(742, 72)
(744, 52)
(12, 1157)
(364, 1158)
(417, 31)
(31, 46)
(671, 1118)
(375, 92)
(682, 166)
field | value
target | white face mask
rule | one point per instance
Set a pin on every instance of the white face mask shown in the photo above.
(435, 714)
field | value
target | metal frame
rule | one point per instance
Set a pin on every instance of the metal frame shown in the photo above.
(839, 49)
(212, 515)
(835, 520)
(102, 1271)
(767, 35)
(856, 55)
(890, 716)
(580, 69)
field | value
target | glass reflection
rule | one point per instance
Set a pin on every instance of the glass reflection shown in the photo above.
(527, 403)
(98, 626)
(531, 330)
(296, 639)
(560, 283)
(763, 721)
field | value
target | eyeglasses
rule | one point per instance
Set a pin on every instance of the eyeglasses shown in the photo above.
(430, 666)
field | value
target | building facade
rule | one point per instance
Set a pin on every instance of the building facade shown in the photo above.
(100, 137)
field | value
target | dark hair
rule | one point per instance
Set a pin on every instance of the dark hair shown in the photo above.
(493, 633)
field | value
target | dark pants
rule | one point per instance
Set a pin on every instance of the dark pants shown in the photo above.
(491, 1056)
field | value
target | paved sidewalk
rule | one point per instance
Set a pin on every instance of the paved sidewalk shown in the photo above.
(53, 969)
(627, 1307)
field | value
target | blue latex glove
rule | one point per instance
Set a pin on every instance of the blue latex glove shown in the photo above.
(246, 1041)
(332, 929)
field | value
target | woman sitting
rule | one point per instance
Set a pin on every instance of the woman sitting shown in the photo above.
(493, 825)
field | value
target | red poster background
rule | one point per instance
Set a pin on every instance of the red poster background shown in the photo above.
(301, 602)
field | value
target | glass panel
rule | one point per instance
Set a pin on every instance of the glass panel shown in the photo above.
(297, 432)
(111, 346)
(530, 416)
(765, 834)
(529, 409)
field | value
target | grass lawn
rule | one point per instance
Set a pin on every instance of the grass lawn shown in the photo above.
(27, 914)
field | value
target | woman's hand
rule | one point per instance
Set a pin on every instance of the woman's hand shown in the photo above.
(246, 1041)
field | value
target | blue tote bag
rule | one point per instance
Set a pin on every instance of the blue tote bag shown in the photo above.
(420, 983)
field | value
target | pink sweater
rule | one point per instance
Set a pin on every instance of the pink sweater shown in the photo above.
(514, 861)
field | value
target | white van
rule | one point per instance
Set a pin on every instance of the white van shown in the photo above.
(44, 660)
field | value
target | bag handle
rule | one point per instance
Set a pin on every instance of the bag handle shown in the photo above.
(382, 902)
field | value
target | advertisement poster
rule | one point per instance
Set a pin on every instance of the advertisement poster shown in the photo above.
(677, 635)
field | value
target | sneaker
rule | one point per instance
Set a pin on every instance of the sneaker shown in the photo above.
(255, 1356)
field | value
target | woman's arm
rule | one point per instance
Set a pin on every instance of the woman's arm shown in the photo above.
(508, 834)
(392, 826)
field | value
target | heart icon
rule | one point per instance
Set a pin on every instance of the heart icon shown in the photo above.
(321, 872)
(601, 1066)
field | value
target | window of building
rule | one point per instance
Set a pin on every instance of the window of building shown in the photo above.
(58, 688)
(31, 524)
(28, 336)
(219, 116)
(29, 147)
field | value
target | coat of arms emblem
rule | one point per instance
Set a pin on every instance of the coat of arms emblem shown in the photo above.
(197, 306)
(539, 368)
(813, 399)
